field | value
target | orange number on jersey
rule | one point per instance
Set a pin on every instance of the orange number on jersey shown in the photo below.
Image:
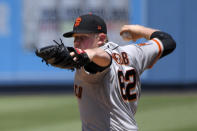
(130, 79)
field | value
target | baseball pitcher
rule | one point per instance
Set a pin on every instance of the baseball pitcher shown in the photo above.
(107, 78)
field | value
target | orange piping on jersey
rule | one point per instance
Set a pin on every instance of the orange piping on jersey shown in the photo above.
(142, 44)
(159, 54)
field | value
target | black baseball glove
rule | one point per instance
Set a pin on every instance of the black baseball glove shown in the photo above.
(59, 56)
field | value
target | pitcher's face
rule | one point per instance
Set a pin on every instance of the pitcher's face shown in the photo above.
(85, 41)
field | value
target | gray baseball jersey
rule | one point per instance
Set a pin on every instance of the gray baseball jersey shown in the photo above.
(108, 100)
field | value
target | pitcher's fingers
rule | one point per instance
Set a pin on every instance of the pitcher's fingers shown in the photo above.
(75, 58)
(72, 53)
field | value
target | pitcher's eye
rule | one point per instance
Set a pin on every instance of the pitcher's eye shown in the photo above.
(80, 38)
(84, 37)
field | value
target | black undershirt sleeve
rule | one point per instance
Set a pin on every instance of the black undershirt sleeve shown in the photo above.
(168, 43)
(93, 68)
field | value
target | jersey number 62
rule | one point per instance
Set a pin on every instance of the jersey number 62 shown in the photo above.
(127, 84)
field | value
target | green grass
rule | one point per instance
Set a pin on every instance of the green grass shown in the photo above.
(39, 113)
(60, 113)
(168, 112)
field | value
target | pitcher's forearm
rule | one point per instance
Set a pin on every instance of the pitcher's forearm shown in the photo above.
(137, 31)
(99, 56)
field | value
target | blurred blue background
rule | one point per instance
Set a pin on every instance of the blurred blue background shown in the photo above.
(19, 65)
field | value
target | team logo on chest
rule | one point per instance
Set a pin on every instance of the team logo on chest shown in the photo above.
(121, 59)
(78, 91)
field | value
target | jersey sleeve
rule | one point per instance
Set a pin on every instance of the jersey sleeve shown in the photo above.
(169, 44)
(145, 55)
(109, 47)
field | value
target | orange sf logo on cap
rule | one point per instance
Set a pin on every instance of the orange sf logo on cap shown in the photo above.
(77, 21)
(99, 27)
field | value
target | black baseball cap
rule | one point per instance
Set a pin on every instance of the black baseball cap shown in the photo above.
(87, 24)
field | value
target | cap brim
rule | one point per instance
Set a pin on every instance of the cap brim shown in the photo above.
(68, 34)
(71, 33)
